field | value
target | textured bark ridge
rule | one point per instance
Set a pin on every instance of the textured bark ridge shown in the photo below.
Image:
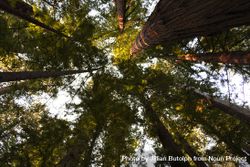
(17, 76)
(23, 11)
(240, 58)
(180, 19)
(121, 10)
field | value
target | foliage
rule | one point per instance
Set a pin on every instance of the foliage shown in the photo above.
(106, 119)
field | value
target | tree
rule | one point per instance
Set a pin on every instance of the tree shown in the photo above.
(240, 58)
(171, 21)
(25, 13)
(164, 136)
(111, 112)
(121, 10)
(17, 76)
(231, 109)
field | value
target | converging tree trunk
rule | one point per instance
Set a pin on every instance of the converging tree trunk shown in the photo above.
(24, 11)
(17, 76)
(164, 136)
(235, 148)
(180, 19)
(88, 154)
(121, 10)
(231, 109)
(190, 151)
(240, 58)
(74, 154)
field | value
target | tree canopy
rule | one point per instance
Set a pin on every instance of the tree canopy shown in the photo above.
(134, 75)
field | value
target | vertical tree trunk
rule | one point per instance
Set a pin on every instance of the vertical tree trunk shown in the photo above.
(235, 148)
(88, 154)
(22, 12)
(73, 156)
(17, 76)
(121, 10)
(240, 58)
(180, 19)
(164, 136)
(231, 109)
(190, 151)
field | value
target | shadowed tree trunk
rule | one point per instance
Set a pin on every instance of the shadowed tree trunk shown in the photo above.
(17, 76)
(20, 6)
(180, 19)
(164, 135)
(190, 151)
(231, 109)
(222, 138)
(121, 10)
(23, 11)
(187, 148)
(240, 58)
(74, 154)
(88, 154)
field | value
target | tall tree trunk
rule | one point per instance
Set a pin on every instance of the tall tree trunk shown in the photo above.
(235, 148)
(180, 19)
(88, 154)
(231, 109)
(190, 151)
(164, 136)
(6, 5)
(240, 58)
(121, 10)
(73, 156)
(17, 76)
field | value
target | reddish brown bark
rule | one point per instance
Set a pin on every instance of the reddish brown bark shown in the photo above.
(121, 10)
(17, 76)
(6, 5)
(179, 19)
(240, 58)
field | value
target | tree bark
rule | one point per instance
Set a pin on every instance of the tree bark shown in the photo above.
(73, 156)
(164, 136)
(17, 76)
(231, 109)
(6, 6)
(190, 151)
(174, 20)
(240, 58)
(235, 148)
(121, 10)
(88, 154)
